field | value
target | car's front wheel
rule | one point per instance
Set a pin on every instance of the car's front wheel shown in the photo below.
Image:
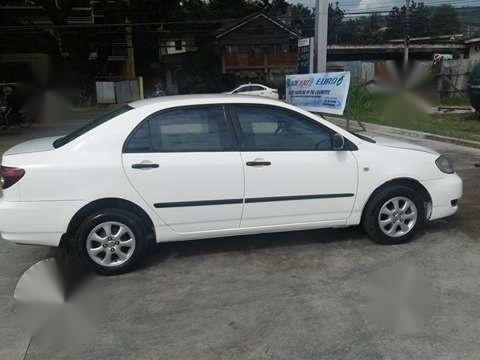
(394, 215)
(111, 241)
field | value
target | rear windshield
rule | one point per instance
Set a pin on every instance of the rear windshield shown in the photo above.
(91, 125)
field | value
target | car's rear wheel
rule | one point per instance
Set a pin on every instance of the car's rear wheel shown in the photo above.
(111, 241)
(394, 215)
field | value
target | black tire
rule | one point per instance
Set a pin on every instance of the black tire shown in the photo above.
(370, 219)
(132, 221)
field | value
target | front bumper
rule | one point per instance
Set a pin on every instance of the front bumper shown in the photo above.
(444, 193)
(36, 223)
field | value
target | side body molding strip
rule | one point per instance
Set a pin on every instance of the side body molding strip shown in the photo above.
(250, 200)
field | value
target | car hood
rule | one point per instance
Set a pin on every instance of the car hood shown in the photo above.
(36, 145)
(394, 143)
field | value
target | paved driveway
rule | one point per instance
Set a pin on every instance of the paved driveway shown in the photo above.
(327, 294)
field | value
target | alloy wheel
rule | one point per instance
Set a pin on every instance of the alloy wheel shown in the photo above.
(397, 217)
(110, 244)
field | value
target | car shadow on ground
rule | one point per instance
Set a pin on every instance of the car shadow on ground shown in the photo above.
(247, 243)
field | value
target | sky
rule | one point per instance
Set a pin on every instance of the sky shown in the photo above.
(382, 5)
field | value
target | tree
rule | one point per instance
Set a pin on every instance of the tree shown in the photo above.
(74, 69)
(221, 9)
(335, 20)
(302, 19)
(445, 20)
(361, 30)
(193, 10)
(418, 22)
(275, 8)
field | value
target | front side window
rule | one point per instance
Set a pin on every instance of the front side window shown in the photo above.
(275, 129)
(256, 88)
(193, 129)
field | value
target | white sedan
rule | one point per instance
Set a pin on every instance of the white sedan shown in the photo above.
(192, 167)
(255, 90)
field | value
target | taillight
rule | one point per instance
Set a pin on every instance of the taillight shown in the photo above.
(9, 176)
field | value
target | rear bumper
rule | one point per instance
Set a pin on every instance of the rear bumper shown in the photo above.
(36, 223)
(444, 193)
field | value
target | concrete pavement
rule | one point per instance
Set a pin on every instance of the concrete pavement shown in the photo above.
(326, 294)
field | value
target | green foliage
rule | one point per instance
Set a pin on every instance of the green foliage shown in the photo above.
(335, 22)
(399, 111)
(418, 21)
(445, 20)
(232, 8)
(202, 73)
(297, 16)
(302, 19)
(422, 21)
(359, 101)
(361, 30)
(455, 101)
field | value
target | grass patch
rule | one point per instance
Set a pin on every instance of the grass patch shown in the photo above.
(399, 111)
(454, 101)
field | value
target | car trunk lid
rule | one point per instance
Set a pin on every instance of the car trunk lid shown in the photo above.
(31, 146)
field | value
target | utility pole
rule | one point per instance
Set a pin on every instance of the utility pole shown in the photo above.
(130, 63)
(406, 52)
(321, 34)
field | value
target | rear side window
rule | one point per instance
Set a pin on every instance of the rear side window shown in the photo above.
(266, 128)
(90, 126)
(140, 142)
(193, 129)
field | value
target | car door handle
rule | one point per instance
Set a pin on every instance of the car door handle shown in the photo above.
(259, 163)
(145, 166)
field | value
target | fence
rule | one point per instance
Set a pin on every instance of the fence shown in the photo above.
(454, 75)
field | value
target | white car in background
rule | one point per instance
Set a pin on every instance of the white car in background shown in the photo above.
(192, 167)
(255, 90)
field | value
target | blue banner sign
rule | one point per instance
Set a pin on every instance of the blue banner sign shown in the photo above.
(321, 92)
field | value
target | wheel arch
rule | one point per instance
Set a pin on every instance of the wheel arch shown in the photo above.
(106, 203)
(408, 182)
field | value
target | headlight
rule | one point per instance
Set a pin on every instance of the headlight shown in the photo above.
(444, 165)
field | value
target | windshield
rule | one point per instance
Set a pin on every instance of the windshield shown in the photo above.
(91, 125)
(363, 137)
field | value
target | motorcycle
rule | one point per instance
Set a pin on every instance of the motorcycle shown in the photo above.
(10, 112)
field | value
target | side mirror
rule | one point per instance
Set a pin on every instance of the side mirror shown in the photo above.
(338, 142)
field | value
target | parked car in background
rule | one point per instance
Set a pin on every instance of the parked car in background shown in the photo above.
(256, 90)
(190, 167)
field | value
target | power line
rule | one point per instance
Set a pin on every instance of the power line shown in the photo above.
(81, 26)
(388, 6)
(183, 22)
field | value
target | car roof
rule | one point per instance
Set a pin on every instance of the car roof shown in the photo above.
(183, 100)
(253, 84)
(250, 84)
